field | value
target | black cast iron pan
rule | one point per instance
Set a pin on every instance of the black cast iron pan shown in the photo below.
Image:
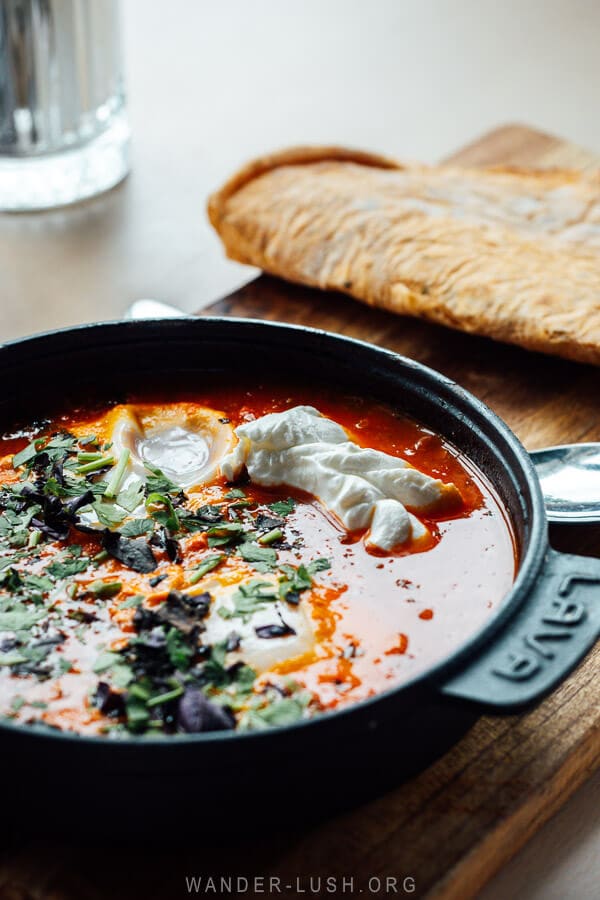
(542, 630)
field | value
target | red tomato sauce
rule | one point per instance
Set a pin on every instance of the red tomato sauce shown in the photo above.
(379, 619)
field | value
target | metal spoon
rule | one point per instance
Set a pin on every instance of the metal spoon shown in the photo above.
(570, 479)
(569, 474)
(153, 309)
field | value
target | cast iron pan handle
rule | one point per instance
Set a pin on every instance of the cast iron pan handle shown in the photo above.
(537, 648)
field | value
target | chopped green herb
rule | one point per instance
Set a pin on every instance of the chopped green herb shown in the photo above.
(318, 565)
(104, 589)
(137, 527)
(65, 566)
(249, 598)
(105, 661)
(294, 579)
(266, 557)
(140, 691)
(96, 466)
(202, 519)
(117, 476)
(11, 580)
(90, 439)
(121, 675)
(137, 714)
(165, 698)
(20, 618)
(207, 565)
(27, 453)
(214, 668)
(280, 712)
(270, 537)
(159, 483)
(283, 507)
(180, 653)
(35, 537)
(132, 602)
(12, 658)
(235, 494)
(109, 514)
(89, 457)
(168, 516)
(131, 496)
(223, 534)
(37, 583)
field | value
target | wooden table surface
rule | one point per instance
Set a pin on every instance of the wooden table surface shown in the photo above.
(198, 79)
(450, 828)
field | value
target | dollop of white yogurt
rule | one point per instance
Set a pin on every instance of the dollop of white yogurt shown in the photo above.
(364, 488)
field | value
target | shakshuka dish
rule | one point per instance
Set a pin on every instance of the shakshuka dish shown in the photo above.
(237, 559)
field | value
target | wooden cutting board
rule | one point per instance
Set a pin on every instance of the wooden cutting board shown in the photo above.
(454, 825)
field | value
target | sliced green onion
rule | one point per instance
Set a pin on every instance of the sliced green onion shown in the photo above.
(132, 602)
(207, 565)
(275, 535)
(34, 538)
(104, 588)
(117, 476)
(87, 456)
(164, 698)
(100, 557)
(87, 468)
(137, 690)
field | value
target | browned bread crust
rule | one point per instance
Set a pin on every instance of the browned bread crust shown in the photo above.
(509, 253)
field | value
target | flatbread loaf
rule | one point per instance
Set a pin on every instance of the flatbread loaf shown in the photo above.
(508, 253)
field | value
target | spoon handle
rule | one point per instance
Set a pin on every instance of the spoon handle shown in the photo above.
(153, 309)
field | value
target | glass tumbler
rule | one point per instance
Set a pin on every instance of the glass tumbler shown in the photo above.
(64, 134)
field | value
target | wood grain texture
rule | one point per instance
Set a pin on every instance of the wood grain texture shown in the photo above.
(455, 824)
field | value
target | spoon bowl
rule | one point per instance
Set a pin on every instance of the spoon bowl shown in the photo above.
(570, 478)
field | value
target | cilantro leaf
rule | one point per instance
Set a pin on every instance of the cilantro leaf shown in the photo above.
(12, 658)
(318, 565)
(201, 519)
(265, 557)
(27, 453)
(223, 534)
(105, 661)
(280, 712)
(180, 653)
(159, 483)
(20, 618)
(65, 566)
(167, 516)
(283, 507)
(249, 598)
(109, 514)
(137, 527)
(132, 602)
(132, 496)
